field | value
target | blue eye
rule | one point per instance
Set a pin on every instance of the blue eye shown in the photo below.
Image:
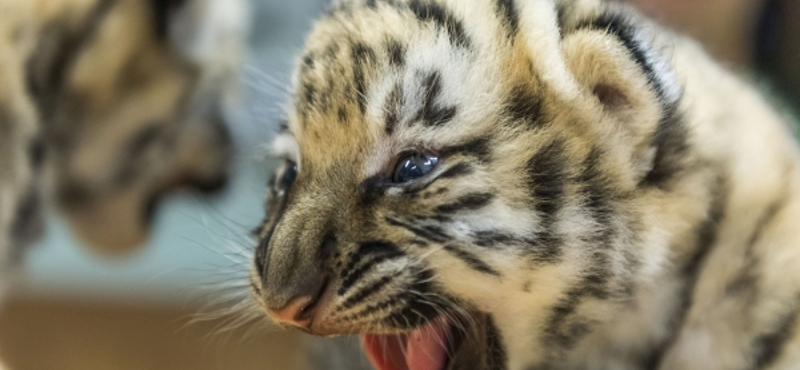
(286, 177)
(413, 166)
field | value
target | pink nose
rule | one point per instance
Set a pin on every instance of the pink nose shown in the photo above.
(298, 312)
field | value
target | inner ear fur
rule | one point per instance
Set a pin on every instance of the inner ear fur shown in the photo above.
(618, 88)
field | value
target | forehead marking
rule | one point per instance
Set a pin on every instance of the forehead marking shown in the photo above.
(524, 107)
(396, 52)
(362, 55)
(443, 19)
(394, 102)
(431, 114)
(507, 11)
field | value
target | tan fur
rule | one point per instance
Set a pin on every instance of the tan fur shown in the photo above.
(635, 201)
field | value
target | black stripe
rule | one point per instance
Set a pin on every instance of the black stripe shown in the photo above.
(394, 102)
(546, 181)
(599, 196)
(706, 237)
(524, 107)
(507, 11)
(432, 12)
(431, 233)
(745, 281)
(362, 57)
(369, 249)
(430, 113)
(460, 169)
(471, 260)
(396, 52)
(369, 310)
(353, 276)
(437, 218)
(491, 238)
(596, 188)
(561, 12)
(671, 141)
(309, 94)
(372, 189)
(431, 194)
(564, 328)
(544, 248)
(469, 202)
(27, 224)
(496, 348)
(56, 53)
(366, 292)
(769, 346)
(478, 148)
(769, 215)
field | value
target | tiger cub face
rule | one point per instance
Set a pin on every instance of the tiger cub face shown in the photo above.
(463, 181)
(131, 95)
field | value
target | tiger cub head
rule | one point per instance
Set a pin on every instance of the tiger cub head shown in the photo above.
(465, 183)
(131, 95)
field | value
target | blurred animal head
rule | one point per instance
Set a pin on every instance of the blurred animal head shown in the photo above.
(130, 95)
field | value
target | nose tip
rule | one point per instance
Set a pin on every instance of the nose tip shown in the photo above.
(298, 312)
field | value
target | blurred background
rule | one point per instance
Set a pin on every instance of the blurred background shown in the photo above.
(78, 311)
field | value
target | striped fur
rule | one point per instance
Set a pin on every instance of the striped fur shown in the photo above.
(105, 106)
(606, 196)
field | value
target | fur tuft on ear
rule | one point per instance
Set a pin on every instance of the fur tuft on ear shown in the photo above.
(212, 34)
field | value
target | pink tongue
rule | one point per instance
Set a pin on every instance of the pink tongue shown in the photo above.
(422, 349)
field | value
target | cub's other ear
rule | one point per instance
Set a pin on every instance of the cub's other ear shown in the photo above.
(205, 31)
(627, 79)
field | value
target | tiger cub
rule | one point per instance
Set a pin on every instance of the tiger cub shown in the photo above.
(526, 185)
(106, 106)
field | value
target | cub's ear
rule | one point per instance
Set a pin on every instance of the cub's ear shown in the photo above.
(628, 80)
(204, 30)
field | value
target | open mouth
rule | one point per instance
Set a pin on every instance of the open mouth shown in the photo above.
(438, 345)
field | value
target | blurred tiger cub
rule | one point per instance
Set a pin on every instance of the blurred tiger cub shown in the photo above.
(530, 184)
(106, 106)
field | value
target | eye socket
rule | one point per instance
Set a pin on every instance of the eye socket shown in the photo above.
(285, 177)
(414, 166)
